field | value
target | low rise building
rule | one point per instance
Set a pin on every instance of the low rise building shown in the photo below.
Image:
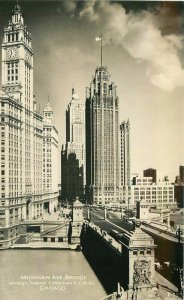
(157, 195)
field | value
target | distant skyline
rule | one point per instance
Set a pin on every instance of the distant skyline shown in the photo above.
(143, 48)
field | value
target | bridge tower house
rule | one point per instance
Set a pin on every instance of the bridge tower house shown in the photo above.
(77, 221)
(141, 265)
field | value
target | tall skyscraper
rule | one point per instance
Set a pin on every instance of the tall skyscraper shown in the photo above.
(50, 159)
(151, 173)
(102, 139)
(73, 175)
(125, 153)
(21, 129)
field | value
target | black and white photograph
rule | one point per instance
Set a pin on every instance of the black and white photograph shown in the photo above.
(91, 150)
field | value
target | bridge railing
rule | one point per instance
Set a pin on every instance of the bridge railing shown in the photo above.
(50, 230)
(106, 236)
(109, 297)
(161, 230)
(40, 222)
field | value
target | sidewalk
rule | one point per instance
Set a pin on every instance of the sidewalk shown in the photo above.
(166, 289)
(42, 245)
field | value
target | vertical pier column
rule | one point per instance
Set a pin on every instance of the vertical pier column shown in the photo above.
(88, 213)
(7, 217)
(105, 213)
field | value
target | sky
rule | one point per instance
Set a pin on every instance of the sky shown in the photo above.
(143, 49)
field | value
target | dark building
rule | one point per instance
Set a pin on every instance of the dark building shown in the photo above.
(179, 194)
(71, 177)
(73, 152)
(179, 188)
(181, 170)
(151, 173)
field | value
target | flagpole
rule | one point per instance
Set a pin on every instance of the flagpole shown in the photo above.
(101, 50)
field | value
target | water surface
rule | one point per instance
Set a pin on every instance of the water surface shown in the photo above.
(46, 275)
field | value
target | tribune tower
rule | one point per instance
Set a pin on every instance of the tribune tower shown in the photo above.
(102, 139)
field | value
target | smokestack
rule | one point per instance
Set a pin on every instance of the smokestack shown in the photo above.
(138, 209)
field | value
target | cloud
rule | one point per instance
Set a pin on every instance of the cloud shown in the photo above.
(141, 34)
(89, 11)
(69, 6)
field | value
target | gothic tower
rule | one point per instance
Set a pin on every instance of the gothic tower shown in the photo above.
(102, 139)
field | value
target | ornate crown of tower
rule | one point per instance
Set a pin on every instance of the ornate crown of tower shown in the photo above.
(74, 95)
(17, 58)
(17, 17)
(125, 125)
(101, 82)
(102, 89)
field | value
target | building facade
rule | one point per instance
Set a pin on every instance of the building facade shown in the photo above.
(50, 160)
(159, 195)
(125, 153)
(21, 129)
(73, 166)
(102, 139)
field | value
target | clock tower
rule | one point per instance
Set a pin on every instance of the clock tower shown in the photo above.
(24, 121)
(17, 60)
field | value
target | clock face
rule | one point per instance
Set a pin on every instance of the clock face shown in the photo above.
(28, 57)
(12, 53)
(9, 53)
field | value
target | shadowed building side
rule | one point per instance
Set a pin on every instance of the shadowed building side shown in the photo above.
(72, 176)
(73, 152)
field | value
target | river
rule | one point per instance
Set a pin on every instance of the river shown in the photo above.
(47, 275)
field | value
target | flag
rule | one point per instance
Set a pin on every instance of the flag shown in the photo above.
(98, 38)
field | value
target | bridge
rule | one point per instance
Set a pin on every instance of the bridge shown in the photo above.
(129, 260)
(168, 263)
(131, 251)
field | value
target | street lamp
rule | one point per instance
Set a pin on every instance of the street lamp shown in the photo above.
(90, 215)
(178, 234)
(128, 207)
(179, 261)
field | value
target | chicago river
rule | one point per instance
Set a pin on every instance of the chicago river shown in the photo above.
(27, 275)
